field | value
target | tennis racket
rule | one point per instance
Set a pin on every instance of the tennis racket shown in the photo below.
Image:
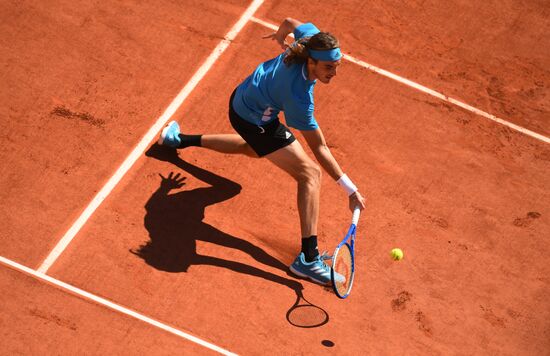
(343, 260)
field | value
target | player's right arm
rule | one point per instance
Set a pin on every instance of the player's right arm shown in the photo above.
(287, 27)
(318, 145)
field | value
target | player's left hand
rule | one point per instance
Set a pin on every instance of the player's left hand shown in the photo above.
(356, 200)
(279, 38)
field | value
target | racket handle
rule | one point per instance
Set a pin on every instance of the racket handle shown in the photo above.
(355, 217)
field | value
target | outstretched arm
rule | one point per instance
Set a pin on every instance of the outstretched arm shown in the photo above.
(316, 141)
(287, 27)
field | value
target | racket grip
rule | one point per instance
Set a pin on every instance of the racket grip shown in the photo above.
(355, 217)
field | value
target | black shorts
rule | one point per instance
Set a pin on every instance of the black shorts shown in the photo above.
(263, 139)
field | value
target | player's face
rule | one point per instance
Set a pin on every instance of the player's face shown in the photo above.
(324, 71)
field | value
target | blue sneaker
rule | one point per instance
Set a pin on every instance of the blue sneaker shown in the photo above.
(170, 135)
(317, 270)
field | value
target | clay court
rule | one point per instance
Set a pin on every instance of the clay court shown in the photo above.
(440, 113)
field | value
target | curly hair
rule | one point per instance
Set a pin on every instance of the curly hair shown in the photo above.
(298, 53)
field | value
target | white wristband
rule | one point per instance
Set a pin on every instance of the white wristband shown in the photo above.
(347, 184)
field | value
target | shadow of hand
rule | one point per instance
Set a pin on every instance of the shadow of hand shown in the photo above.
(172, 181)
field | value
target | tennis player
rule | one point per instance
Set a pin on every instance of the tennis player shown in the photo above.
(285, 83)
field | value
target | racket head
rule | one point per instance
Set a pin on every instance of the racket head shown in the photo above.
(344, 264)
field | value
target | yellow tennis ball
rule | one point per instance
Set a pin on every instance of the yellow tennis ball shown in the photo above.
(397, 254)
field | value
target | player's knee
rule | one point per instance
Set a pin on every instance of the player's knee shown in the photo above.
(310, 175)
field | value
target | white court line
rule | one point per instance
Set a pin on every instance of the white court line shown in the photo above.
(149, 136)
(87, 295)
(428, 91)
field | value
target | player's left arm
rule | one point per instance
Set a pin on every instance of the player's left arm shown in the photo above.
(287, 27)
(318, 145)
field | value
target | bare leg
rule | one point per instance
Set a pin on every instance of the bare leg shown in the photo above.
(227, 143)
(294, 160)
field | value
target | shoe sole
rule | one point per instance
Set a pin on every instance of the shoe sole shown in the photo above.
(300, 274)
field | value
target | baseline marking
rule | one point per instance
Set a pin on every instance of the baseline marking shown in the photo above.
(426, 90)
(149, 136)
(87, 295)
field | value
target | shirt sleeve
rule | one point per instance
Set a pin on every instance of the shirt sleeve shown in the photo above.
(305, 30)
(299, 115)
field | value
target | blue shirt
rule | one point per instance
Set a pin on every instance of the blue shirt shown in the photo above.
(276, 87)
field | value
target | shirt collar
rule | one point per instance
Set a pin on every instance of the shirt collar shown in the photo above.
(304, 74)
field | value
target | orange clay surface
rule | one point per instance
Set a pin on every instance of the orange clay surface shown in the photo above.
(38, 319)
(466, 199)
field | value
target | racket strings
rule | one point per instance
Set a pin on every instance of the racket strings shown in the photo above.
(343, 265)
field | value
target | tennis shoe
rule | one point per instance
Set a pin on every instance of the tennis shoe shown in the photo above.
(317, 270)
(170, 135)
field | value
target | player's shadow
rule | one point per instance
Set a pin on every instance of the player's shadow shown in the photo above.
(175, 224)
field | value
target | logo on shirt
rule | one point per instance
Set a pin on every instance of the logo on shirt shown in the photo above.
(287, 135)
(267, 114)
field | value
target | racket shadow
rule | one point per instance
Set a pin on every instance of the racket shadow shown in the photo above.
(304, 314)
(175, 224)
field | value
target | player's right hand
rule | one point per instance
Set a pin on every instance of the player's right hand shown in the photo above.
(356, 200)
